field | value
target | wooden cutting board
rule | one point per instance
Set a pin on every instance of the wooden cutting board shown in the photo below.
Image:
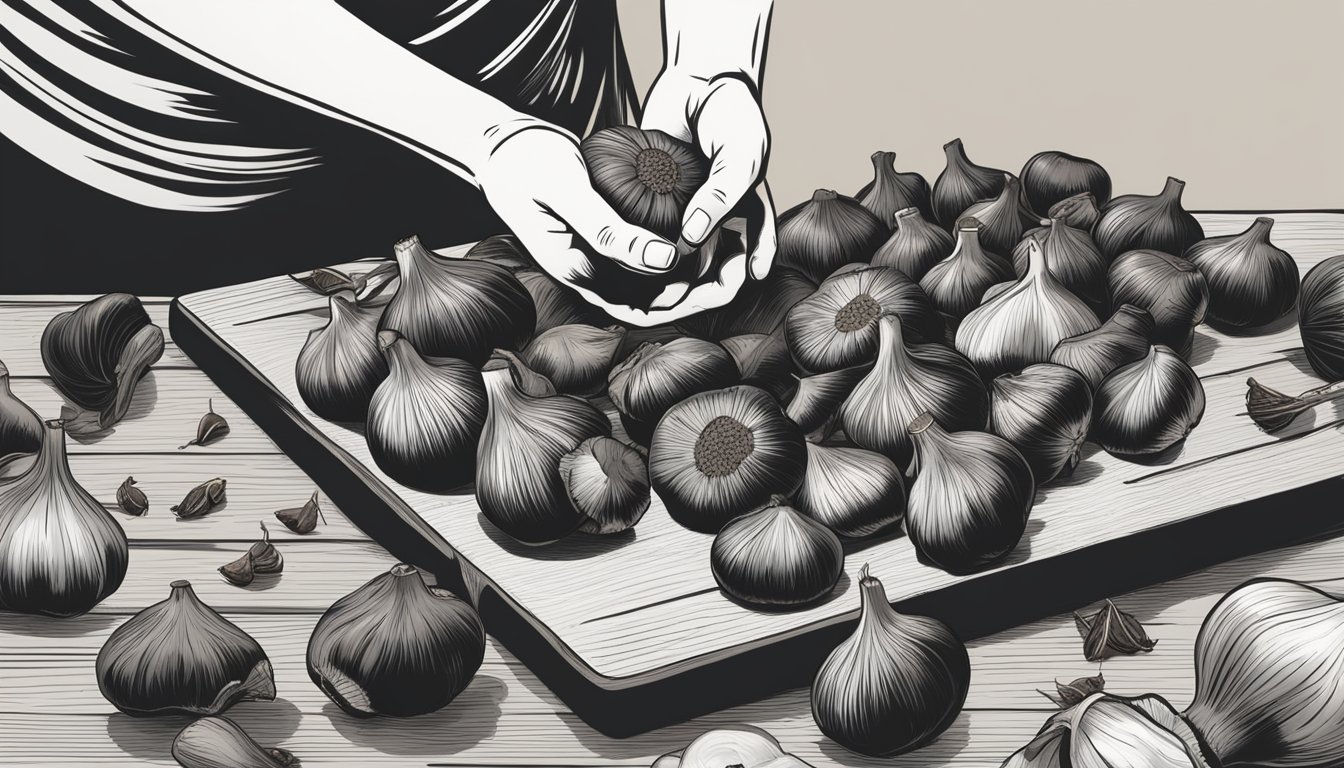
(631, 631)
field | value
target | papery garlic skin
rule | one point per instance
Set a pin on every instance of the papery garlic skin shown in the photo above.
(1044, 411)
(340, 365)
(1049, 178)
(962, 183)
(852, 491)
(1106, 731)
(763, 361)
(776, 557)
(891, 191)
(1157, 222)
(608, 483)
(1122, 339)
(915, 245)
(1269, 677)
(218, 742)
(1147, 406)
(827, 232)
(815, 403)
(576, 358)
(658, 376)
(1169, 287)
(958, 283)
(1079, 211)
(1072, 258)
(1003, 219)
(1251, 282)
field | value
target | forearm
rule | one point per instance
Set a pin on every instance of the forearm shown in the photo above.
(315, 53)
(710, 38)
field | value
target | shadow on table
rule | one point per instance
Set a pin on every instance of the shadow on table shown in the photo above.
(48, 626)
(473, 717)
(151, 738)
(82, 426)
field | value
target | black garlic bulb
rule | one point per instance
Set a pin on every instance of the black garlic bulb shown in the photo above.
(759, 307)
(1158, 223)
(836, 327)
(962, 183)
(1003, 218)
(894, 685)
(907, 380)
(957, 284)
(608, 483)
(461, 308)
(915, 245)
(971, 497)
(425, 418)
(657, 376)
(1049, 178)
(218, 742)
(505, 250)
(1044, 411)
(1072, 258)
(341, 364)
(1321, 318)
(1122, 339)
(776, 558)
(721, 454)
(648, 177)
(1251, 282)
(763, 361)
(1079, 211)
(576, 358)
(852, 491)
(20, 427)
(891, 190)
(1147, 406)
(815, 404)
(1169, 288)
(528, 430)
(180, 657)
(396, 647)
(557, 304)
(827, 232)
(97, 353)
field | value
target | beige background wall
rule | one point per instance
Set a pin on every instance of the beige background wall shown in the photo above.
(1242, 99)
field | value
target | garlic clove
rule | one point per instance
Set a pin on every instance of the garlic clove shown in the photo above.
(1079, 211)
(1003, 218)
(1251, 282)
(971, 497)
(891, 191)
(1170, 288)
(836, 327)
(210, 428)
(608, 483)
(1321, 318)
(958, 283)
(759, 307)
(1022, 326)
(576, 358)
(179, 656)
(742, 745)
(1147, 406)
(202, 500)
(763, 361)
(1050, 178)
(218, 742)
(20, 426)
(720, 454)
(962, 183)
(1068, 694)
(827, 232)
(265, 557)
(1105, 730)
(395, 647)
(1044, 411)
(1112, 632)
(776, 558)
(1122, 339)
(1141, 222)
(815, 404)
(240, 572)
(852, 491)
(1072, 258)
(341, 365)
(302, 519)
(131, 499)
(657, 376)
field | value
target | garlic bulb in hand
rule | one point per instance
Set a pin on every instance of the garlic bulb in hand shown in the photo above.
(1003, 218)
(461, 308)
(218, 742)
(852, 491)
(721, 454)
(1170, 288)
(576, 358)
(1049, 178)
(776, 557)
(905, 382)
(962, 183)
(180, 657)
(958, 283)
(1079, 211)
(827, 232)
(1321, 318)
(396, 646)
(657, 376)
(915, 245)
(971, 497)
(61, 552)
(608, 483)
(1023, 325)
(425, 418)
(340, 364)
(1122, 339)
(1251, 282)
(1147, 406)
(836, 327)
(1072, 258)
(894, 685)
(20, 426)
(1159, 223)
(890, 191)
(1044, 411)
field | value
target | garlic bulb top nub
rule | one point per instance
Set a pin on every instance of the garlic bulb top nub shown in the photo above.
(1251, 282)
(890, 191)
(827, 232)
(915, 246)
(962, 183)
(1156, 222)
(958, 283)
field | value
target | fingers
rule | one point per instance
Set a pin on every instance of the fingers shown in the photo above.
(608, 234)
(732, 133)
(763, 256)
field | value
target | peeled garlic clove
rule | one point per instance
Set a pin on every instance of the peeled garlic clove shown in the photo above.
(836, 327)
(1072, 258)
(1003, 218)
(130, 499)
(854, 492)
(340, 365)
(528, 431)
(1122, 339)
(576, 358)
(425, 417)
(1022, 326)
(1044, 411)
(20, 426)
(971, 497)
(1321, 318)
(894, 685)
(61, 551)
(723, 453)
(1269, 676)
(890, 191)
(906, 381)
(608, 483)
(1140, 222)
(657, 376)
(556, 304)
(396, 647)
(180, 657)
(1079, 211)
(460, 308)
(1251, 282)
(202, 500)
(915, 245)
(817, 400)
(742, 745)
(962, 183)
(218, 742)
(776, 557)
(759, 307)
(958, 283)
(1170, 288)
(1147, 406)
(1050, 178)
(827, 232)
(763, 361)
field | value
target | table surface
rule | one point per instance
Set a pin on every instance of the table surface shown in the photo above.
(51, 712)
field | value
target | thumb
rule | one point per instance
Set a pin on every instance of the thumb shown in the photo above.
(608, 234)
(733, 173)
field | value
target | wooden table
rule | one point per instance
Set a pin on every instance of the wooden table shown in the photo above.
(51, 712)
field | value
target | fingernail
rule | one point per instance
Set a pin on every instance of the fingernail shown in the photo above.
(659, 255)
(697, 226)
